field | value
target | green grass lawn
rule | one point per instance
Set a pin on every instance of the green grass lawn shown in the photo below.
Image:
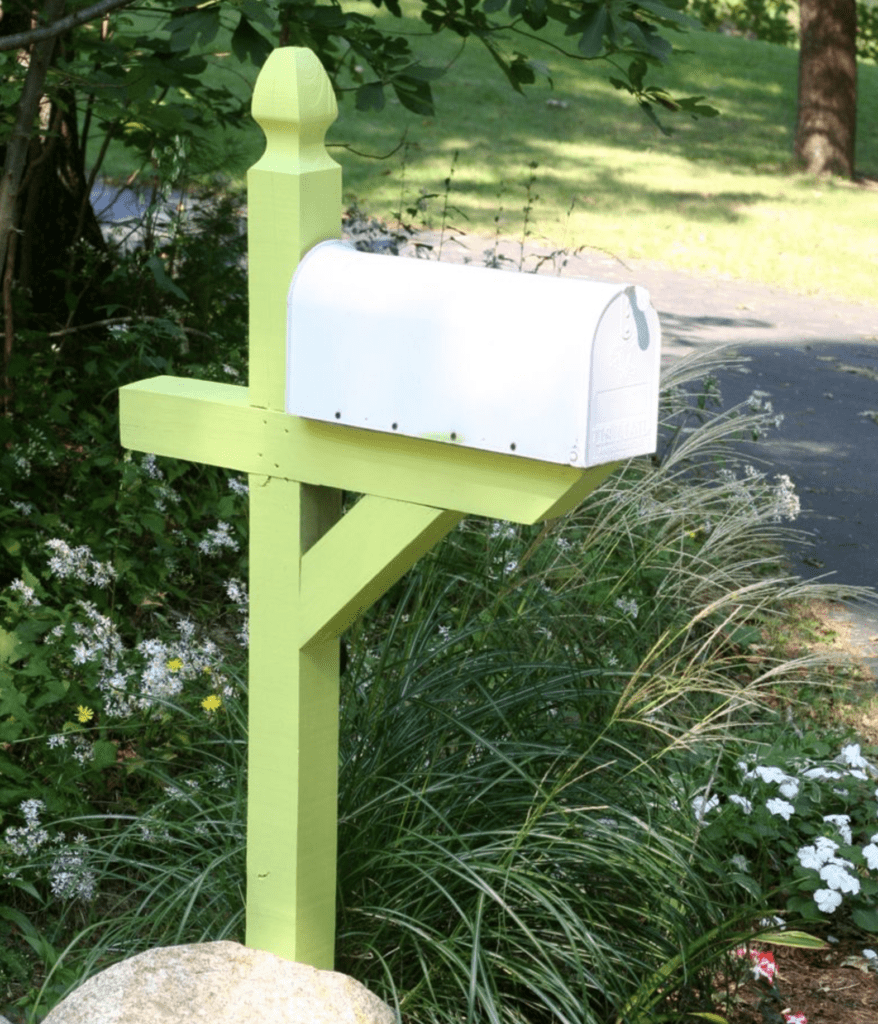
(719, 196)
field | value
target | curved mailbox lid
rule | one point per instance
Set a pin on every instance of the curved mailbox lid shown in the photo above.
(505, 362)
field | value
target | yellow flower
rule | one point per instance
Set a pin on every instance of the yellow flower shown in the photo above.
(174, 665)
(211, 703)
(84, 714)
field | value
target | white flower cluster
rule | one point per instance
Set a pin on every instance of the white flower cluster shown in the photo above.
(786, 503)
(500, 528)
(35, 449)
(77, 563)
(168, 667)
(69, 875)
(237, 593)
(147, 464)
(31, 836)
(839, 874)
(239, 486)
(760, 401)
(28, 597)
(216, 539)
(628, 606)
(782, 500)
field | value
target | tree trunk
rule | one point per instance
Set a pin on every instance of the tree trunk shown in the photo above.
(58, 259)
(827, 113)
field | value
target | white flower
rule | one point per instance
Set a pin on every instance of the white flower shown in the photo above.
(628, 606)
(870, 852)
(821, 773)
(789, 788)
(819, 854)
(836, 877)
(827, 900)
(851, 755)
(70, 878)
(238, 485)
(786, 501)
(742, 802)
(217, 539)
(843, 823)
(739, 863)
(768, 773)
(781, 807)
(28, 597)
(702, 806)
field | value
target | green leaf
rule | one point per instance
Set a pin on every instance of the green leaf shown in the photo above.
(248, 44)
(200, 24)
(103, 754)
(165, 284)
(797, 940)
(11, 647)
(866, 918)
(591, 42)
(370, 96)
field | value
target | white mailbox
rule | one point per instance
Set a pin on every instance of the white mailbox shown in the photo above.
(563, 370)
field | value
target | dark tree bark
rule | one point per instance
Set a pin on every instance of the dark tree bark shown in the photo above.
(827, 112)
(49, 236)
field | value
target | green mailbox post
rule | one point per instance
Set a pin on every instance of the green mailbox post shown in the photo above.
(312, 569)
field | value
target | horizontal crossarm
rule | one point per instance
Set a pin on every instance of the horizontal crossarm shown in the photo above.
(212, 423)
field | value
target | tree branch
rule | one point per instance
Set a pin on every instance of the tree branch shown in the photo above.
(56, 28)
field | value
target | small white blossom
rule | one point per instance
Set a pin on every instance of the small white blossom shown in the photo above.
(819, 854)
(702, 805)
(147, 464)
(780, 807)
(70, 878)
(217, 539)
(628, 606)
(837, 877)
(786, 503)
(28, 597)
(843, 823)
(870, 852)
(850, 755)
(827, 900)
(237, 485)
(742, 802)
(822, 773)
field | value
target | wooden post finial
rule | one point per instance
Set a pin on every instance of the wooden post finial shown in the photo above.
(293, 202)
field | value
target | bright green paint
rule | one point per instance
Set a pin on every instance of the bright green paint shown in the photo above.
(312, 571)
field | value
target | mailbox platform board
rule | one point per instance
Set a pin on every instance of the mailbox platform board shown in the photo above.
(313, 571)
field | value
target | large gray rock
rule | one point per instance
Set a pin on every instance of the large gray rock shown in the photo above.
(218, 983)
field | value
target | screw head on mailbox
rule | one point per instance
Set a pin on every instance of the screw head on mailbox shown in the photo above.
(555, 369)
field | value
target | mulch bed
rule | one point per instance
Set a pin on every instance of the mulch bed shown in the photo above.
(830, 986)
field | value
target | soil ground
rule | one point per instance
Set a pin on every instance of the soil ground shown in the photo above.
(835, 985)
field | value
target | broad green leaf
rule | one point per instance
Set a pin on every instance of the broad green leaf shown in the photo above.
(798, 940)
(103, 754)
(591, 41)
(866, 918)
(370, 96)
(248, 44)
